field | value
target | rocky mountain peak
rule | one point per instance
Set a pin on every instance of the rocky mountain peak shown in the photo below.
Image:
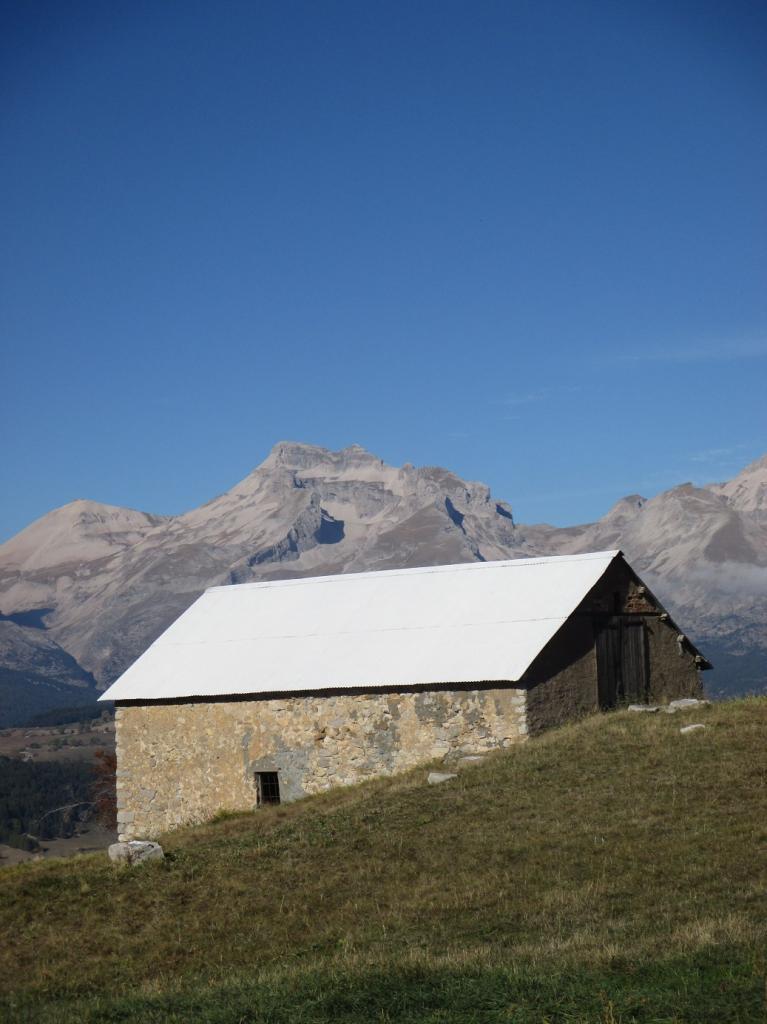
(747, 492)
(626, 508)
(80, 531)
(297, 455)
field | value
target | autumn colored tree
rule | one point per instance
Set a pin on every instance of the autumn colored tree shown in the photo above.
(104, 790)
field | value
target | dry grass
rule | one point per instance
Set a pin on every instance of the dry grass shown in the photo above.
(613, 856)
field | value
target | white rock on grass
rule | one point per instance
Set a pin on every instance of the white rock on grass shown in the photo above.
(692, 728)
(137, 851)
(644, 707)
(436, 777)
(684, 703)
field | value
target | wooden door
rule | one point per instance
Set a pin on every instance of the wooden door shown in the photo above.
(622, 672)
(608, 661)
(634, 660)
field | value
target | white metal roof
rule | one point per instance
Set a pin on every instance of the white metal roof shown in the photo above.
(477, 622)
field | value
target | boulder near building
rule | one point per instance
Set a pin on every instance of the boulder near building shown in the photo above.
(269, 691)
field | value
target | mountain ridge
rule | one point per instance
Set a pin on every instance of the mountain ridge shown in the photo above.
(107, 580)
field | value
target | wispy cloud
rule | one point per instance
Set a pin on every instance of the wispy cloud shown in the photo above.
(527, 399)
(723, 351)
(539, 395)
(718, 455)
(736, 578)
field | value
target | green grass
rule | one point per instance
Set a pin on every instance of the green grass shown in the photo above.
(612, 871)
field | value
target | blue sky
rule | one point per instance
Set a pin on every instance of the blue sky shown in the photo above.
(522, 240)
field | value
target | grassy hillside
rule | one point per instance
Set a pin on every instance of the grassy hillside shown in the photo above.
(612, 871)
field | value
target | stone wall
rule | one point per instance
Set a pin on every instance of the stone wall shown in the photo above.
(181, 763)
(673, 672)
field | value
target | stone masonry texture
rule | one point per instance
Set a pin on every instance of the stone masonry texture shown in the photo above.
(182, 763)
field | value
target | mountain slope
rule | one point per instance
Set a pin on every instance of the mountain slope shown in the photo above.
(36, 674)
(105, 581)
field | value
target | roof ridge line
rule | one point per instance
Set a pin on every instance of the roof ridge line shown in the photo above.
(422, 569)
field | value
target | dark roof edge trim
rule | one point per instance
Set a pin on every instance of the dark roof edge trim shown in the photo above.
(338, 691)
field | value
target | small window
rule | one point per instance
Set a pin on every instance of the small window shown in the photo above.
(268, 788)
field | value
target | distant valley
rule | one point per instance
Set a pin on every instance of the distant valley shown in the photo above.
(87, 587)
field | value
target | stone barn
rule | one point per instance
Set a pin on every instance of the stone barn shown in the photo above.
(269, 691)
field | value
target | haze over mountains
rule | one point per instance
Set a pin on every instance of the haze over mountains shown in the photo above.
(86, 588)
